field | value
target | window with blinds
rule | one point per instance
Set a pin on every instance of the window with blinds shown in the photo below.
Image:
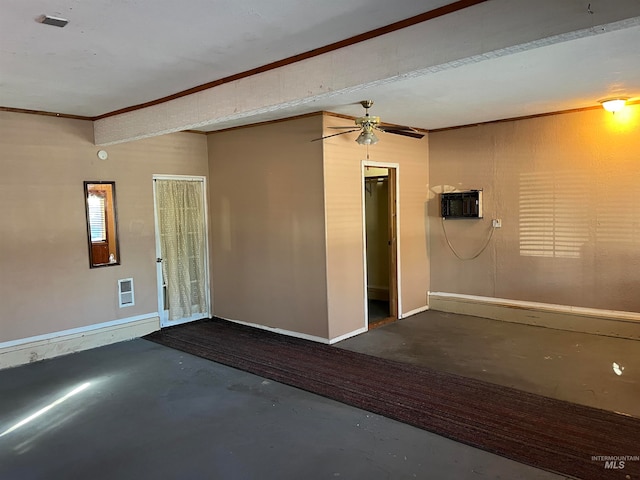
(97, 216)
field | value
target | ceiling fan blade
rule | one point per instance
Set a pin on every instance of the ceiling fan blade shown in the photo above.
(406, 133)
(336, 134)
(341, 127)
(399, 130)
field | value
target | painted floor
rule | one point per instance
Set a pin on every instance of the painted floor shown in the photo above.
(138, 410)
(593, 370)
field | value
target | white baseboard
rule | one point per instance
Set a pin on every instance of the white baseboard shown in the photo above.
(291, 333)
(348, 335)
(415, 311)
(40, 347)
(282, 331)
(612, 323)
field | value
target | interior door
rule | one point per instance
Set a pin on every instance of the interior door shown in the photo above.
(393, 246)
(181, 249)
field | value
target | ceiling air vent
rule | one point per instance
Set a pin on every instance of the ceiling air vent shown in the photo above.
(55, 21)
(125, 292)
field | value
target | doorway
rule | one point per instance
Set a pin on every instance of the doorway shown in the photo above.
(381, 242)
(182, 254)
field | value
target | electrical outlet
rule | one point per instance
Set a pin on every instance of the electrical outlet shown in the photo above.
(497, 223)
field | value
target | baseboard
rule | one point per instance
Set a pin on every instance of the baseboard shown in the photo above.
(33, 349)
(612, 323)
(348, 335)
(415, 311)
(281, 331)
(378, 293)
(291, 333)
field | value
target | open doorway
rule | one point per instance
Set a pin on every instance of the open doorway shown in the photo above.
(380, 213)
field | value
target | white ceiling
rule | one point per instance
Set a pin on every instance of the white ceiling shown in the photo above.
(115, 54)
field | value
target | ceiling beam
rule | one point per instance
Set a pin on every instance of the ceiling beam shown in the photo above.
(487, 30)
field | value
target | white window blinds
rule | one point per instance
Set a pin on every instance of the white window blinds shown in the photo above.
(97, 217)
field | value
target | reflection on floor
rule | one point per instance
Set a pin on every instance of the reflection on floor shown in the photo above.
(593, 370)
(137, 410)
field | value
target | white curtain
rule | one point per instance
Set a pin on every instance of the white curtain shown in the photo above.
(182, 241)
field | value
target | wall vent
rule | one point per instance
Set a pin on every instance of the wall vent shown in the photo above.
(125, 292)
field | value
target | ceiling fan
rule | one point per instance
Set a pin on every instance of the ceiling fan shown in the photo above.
(368, 124)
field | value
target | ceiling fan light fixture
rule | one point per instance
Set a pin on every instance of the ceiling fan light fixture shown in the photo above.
(614, 105)
(367, 138)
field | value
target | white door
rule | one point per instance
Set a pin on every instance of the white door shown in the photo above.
(181, 249)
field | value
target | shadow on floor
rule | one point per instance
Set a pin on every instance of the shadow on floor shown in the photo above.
(378, 311)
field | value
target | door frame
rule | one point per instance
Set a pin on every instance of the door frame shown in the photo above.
(164, 321)
(396, 189)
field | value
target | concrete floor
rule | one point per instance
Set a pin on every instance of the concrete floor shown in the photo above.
(141, 410)
(147, 411)
(576, 367)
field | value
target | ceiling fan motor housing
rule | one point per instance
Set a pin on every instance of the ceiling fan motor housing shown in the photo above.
(367, 121)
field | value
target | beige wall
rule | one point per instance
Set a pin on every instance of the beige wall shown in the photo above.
(267, 223)
(46, 284)
(269, 252)
(566, 188)
(345, 242)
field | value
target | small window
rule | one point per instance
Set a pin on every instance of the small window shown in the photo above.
(102, 234)
(97, 216)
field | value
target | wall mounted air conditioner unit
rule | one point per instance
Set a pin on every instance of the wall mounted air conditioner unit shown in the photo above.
(467, 204)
